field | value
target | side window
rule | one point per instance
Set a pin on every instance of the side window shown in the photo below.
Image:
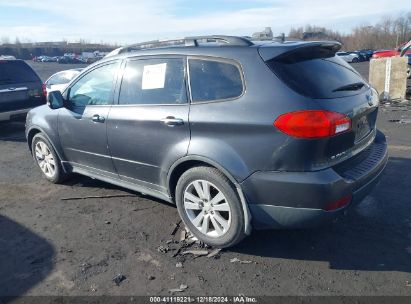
(154, 81)
(214, 80)
(94, 88)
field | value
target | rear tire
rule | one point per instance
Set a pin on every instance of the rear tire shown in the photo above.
(209, 206)
(47, 159)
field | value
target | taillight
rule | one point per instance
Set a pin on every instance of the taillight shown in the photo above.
(44, 89)
(313, 123)
(338, 204)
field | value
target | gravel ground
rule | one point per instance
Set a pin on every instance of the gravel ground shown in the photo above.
(50, 246)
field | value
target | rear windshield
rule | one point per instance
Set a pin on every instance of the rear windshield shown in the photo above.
(317, 73)
(16, 72)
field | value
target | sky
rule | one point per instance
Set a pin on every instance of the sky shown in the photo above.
(131, 21)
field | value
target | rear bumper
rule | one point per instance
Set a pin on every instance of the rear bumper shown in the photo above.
(6, 116)
(297, 199)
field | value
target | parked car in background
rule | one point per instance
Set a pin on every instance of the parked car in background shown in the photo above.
(367, 54)
(20, 89)
(47, 59)
(348, 57)
(363, 55)
(237, 134)
(72, 60)
(60, 80)
(390, 53)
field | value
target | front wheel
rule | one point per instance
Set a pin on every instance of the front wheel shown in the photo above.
(47, 159)
(210, 207)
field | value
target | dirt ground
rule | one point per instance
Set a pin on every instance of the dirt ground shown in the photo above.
(50, 246)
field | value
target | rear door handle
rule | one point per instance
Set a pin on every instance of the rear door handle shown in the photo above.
(172, 121)
(98, 118)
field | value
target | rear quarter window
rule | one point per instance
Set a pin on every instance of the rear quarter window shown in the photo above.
(316, 73)
(16, 72)
(212, 80)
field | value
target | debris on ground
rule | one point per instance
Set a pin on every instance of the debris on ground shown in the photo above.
(84, 267)
(96, 196)
(214, 253)
(401, 121)
(182, 235)
(237, 260)
(107, 222)
(176, 227)
(118, 279)
(163, 249)
(180, 289)
(186, 244)
(150, 278)
(195, 252)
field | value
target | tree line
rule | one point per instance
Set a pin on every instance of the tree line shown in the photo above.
(388, 33)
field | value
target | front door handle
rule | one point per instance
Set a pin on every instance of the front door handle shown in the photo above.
(171, 121)
(98, 118)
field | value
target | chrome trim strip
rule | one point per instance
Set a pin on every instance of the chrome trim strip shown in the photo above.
(114, 158)
(11, 89)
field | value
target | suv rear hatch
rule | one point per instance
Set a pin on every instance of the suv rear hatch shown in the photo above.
(20, 87)
(327, 83)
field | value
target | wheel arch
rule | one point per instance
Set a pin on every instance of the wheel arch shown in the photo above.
(33, 131)
(188, 162)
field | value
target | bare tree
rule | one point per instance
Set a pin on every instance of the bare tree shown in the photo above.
(388, 33)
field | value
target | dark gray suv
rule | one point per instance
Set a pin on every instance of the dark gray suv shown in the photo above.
(20, 89)
(237, 134)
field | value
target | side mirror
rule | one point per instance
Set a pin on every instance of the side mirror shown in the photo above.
(55, 100)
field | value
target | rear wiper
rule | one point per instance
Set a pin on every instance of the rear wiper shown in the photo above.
(350, 87)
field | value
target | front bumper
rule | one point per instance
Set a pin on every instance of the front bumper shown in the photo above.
(297, 199)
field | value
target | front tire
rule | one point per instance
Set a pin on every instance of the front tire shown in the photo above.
(209, 206)
(47, 159)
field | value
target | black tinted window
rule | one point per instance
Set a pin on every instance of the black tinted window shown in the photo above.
(94, 88)
(16, 72)
(214, 80)
(154, 81)
(316, 73)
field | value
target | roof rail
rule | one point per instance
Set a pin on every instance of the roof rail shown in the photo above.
(188, 42)
(229, 40)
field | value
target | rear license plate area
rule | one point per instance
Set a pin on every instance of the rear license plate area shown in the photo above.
(362, 128)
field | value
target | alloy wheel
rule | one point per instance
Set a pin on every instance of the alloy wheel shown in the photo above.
(45, 159)
(207, 208)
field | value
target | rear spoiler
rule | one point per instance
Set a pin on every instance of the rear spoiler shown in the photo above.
(270, 51)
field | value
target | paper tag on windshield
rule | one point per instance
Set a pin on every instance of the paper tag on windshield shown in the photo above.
(154, 76)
